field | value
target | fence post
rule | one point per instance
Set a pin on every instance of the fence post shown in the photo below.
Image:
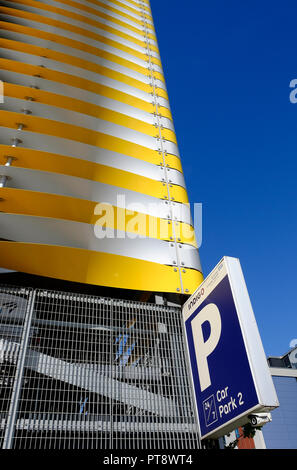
(14, 400)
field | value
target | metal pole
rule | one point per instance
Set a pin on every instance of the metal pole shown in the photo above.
(14, 401)
(189, 374)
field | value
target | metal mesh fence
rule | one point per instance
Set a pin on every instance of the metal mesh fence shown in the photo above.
(84, 372)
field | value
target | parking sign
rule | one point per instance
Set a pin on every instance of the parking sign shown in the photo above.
(231, 378)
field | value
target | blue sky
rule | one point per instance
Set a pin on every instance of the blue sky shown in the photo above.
(228, 65)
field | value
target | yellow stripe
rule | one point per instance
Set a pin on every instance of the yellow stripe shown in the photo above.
(74, 29)
(178, 193)
(84, 84)
(191, 280)
(18, 201)
(78, 265)
(34, 203)
(86, 136)
(90, 109)
(24, 14)
(137, 4)
(95, 12)
(75, 45)
(126, 7)
(37, 204)
(82, 18)
(45, 161)
(74, 61)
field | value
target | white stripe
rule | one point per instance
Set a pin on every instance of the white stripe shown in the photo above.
(50, 231)
(71, 35)
(65, 116)
(65, 185)
(136, 13)
(70, 148)
(65, 32)
(82, 24)
(83, 73)
(99, 9)
(86, 96)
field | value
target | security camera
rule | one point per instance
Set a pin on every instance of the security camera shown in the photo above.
(259, 419)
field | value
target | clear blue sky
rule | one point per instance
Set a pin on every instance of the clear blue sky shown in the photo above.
(228, 65)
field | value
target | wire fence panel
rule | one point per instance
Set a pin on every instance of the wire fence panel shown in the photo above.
(13, 313)
(85, 372)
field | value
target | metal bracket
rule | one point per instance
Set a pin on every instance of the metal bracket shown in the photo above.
(3, 180)
(9, 159)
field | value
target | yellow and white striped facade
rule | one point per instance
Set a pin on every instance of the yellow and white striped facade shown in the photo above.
(92, 188)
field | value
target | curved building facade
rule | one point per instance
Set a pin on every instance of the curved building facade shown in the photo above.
(92, 187)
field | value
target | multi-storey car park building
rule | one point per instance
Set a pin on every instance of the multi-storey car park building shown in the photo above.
(95, 232)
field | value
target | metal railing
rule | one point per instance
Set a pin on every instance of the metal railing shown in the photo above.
(85, 372)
